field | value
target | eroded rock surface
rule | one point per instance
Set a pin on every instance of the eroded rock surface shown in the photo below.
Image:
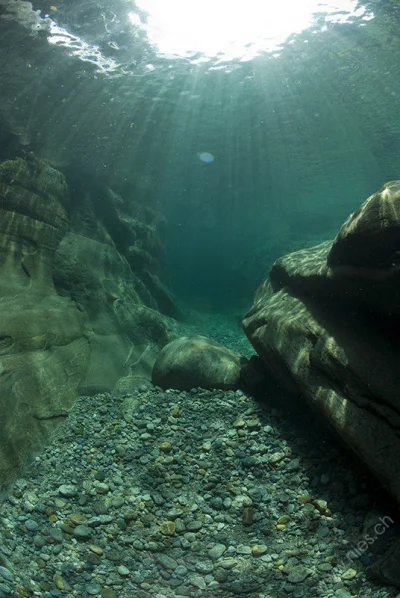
(192, 362)
(43, 350)
(327, 322)
(112, 264)
(84, 283)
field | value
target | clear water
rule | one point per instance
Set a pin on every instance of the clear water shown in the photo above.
(256, 129)
(251, 148)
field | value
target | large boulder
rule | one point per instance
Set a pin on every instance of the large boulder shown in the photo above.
(327, 322)
(80, 310)
(192, 362)
(125, 334)
(43, 350)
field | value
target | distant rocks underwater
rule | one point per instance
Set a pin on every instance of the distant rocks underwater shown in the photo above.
(85, 304)
(86, 308)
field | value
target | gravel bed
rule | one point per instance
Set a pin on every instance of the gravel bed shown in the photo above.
(201, 493)
(223, 328)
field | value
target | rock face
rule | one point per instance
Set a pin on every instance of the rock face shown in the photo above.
(83, 286)
(112, 264)
(125, 334)
(191, 362)
(327, 322)
(43, 351)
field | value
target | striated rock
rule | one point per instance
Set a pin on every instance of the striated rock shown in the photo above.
(191, 362)
(125, 335)
(137, 234)
(78, 313)
(327, 323)
(103, 264)
(369, 239)
(43, 350)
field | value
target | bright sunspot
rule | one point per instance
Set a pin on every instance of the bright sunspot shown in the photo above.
(230, 28)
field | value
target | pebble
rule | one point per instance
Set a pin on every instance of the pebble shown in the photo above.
(168, 528)
(68, 490)
(298, 574)
(216, 551)
(259, 549)
(31, 525)
(82, 532)
(349, 574)
(239, 423)
(166, 561)
(248, 515)
(198, 581)
(93, 589)
(6, 574)
(204, 567)
(183, 497)
(194, 526)
(5, 589)
(123, 571)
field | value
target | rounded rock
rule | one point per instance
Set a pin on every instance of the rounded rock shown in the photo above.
(216, 551)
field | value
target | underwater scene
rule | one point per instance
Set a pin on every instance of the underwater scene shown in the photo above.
(200, 298)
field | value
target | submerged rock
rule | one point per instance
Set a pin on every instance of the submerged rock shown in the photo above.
(192, 362)
(43, 350)
(327, 322)
(79, 310)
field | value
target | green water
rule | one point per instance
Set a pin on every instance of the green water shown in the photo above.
(300, 137)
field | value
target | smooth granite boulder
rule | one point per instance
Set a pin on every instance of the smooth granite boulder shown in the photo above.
(369, 239)
(43, 349)
(327, 323)
(192, 362)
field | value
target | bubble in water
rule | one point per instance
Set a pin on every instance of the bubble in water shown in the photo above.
(206, 157)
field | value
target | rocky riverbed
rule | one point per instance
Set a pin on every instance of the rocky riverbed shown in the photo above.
(201, 493)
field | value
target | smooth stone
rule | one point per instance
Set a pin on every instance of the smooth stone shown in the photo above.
(228, 563)
(298, 574)
(39, 541)
(31, 525)
(6, 590)
(204, 567)
(99, 520)
(220, 575)
(242, 549)
(349, 574)
(82, 532)
(194, 526)
(93, 589)
(198, 581)
(68, 490)
(258, 549)
(166, 561)
(181, 570)
(123, 571)
(56, 535)
(216, 551)
(6, 574)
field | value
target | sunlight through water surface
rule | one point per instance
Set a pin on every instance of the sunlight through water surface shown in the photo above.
(234, 30)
